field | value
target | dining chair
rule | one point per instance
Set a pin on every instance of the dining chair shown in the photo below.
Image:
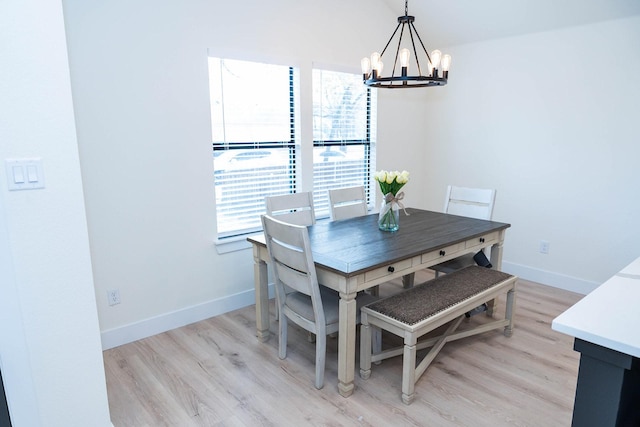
(294, 208)
(474, 203)
(347, 202)
(311, 306)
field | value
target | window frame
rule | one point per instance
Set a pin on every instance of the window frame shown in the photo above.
(292, 144)
(299, 78)
(368, 142)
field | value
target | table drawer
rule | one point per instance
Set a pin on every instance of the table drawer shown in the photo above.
(441, 253)
(483, 241)
(388, 270)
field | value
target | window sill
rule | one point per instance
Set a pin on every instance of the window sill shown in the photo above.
(233, 244)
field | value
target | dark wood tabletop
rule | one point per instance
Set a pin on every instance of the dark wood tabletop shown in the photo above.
(354, 246)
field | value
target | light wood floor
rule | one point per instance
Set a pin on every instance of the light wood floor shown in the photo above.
(216, 373)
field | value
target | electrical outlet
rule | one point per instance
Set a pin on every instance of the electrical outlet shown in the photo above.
(544, 247)
(113, 296)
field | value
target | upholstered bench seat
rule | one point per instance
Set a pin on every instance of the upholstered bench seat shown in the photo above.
(414, 312)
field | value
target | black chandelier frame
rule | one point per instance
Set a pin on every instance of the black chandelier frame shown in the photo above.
(403, 80)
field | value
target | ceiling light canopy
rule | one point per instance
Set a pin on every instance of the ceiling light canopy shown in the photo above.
(436, 66)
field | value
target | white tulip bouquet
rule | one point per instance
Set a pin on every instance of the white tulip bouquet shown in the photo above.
(390, 184)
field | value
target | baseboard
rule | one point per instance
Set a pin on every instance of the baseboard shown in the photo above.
(166, 322)
(156, 325)
(550, 278)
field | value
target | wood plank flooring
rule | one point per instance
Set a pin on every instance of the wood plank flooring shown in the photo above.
(216, 373)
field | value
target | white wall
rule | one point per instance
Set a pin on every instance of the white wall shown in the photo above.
(140, 88)
(50, 352)
(551, 121)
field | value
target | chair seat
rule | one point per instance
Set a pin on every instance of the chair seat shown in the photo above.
(301, 304)
(455, 264)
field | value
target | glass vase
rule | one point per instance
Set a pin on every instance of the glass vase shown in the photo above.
(389, 216)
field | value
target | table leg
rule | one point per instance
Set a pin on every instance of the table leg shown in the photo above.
(408, 280)
(496, 256)
(260, 277)
(347, 344)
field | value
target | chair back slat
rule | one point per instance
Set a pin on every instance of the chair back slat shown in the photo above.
(347, 202)
(470, 202)
(294, 208)
(294, 279)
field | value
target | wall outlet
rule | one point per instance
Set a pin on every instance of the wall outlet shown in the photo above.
(544, 247)
(113, 296)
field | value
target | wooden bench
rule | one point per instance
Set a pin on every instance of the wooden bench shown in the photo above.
(414, 312)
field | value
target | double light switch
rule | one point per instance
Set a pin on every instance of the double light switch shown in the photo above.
(24, 174)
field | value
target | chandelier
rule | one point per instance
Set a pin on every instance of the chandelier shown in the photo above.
(435, 63)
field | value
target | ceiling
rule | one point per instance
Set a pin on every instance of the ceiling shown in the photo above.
(445, 23)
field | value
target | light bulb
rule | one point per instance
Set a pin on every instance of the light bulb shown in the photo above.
(446, 62)
(435, 59)
(365, 64)
(405, 54)
(375, 58)
(379, 68)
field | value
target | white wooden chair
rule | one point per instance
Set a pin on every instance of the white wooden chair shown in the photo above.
(294, 208)
(471, 202)
(347, 202)
(310, 306)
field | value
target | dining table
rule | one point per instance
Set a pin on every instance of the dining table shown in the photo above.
(353, 255)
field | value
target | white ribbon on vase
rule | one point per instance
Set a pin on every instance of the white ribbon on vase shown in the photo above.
(389, 199)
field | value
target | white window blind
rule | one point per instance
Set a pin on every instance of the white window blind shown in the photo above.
(343, 125)
(253, 131)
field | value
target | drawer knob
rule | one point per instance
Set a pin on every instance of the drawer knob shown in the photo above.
(442, 253)
(391, 269)
(482, 240)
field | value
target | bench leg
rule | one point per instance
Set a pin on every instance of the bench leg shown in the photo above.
(365, 349)
(409, 371)
(511, 294)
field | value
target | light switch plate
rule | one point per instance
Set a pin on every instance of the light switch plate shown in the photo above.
(24, 174)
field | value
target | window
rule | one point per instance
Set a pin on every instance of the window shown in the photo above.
(253, 130)
(254, 134)
(343, 109)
